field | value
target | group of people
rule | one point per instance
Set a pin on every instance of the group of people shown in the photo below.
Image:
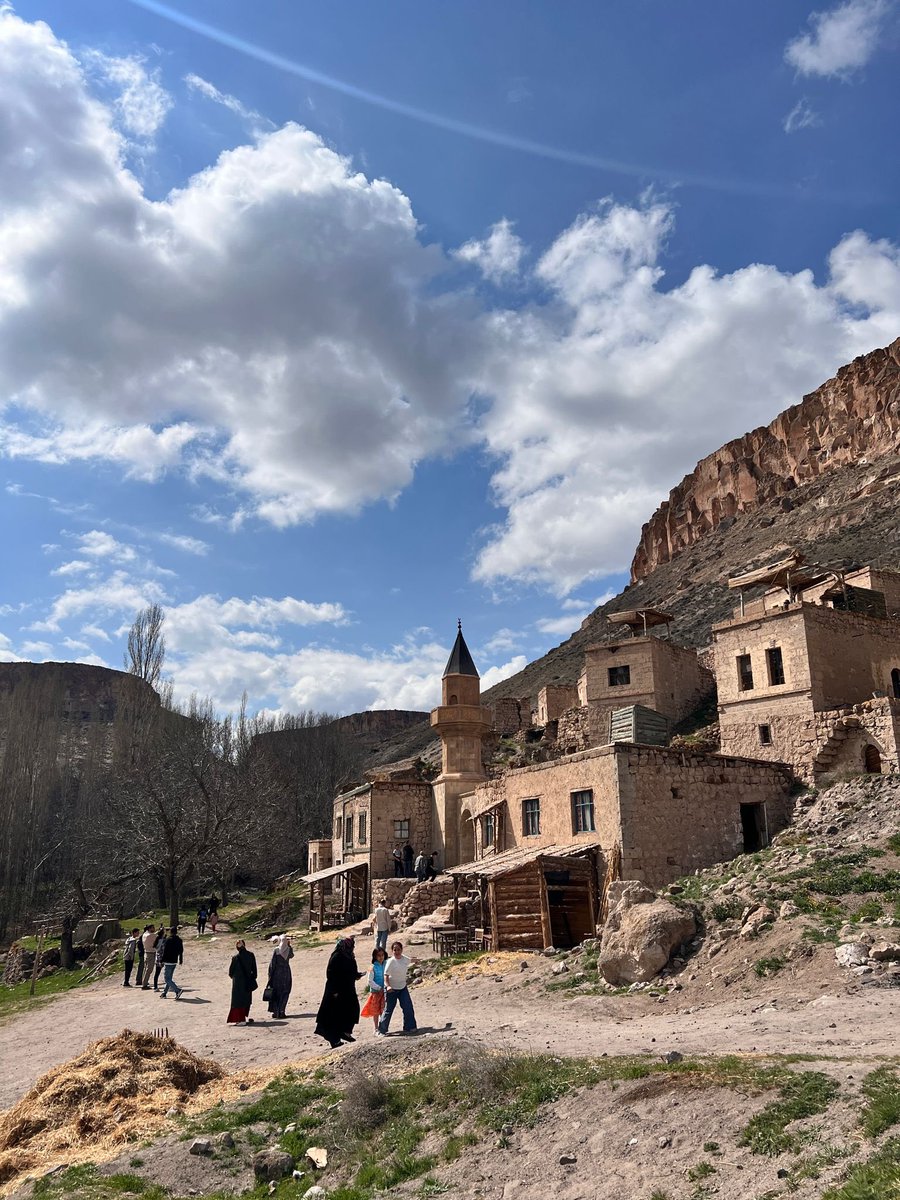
(155, 951)
(208, 912)
(408, 864)
(339, 1011)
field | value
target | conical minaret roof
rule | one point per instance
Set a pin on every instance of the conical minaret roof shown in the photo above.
(460, 660)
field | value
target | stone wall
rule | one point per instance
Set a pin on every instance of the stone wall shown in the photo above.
(319, 855)
(384, 803)
(423, 899)
(573, 731)
(553, 700)
(680, 811)
(391, 891)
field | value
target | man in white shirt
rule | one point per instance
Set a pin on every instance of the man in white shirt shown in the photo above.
(396, 970)
(382, 923)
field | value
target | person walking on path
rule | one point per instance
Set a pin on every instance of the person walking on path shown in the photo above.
(382, 924)
(396, 972)
(173, 956)
(148, 957)
(243, 984)
(201, 920)
(408, 861)
(397, 856)
(339, 1010)
(214, 920)
(374, 1005)
(158, 946)
(421, 866)
(140, 961)
(433, 869)
(131, 945)
(280, 978)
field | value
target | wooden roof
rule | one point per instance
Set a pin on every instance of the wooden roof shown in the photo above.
(520, 856)
(330, 872)
(776, 574)
(640, 618)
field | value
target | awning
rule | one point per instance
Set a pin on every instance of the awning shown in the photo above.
(491, 808)
(512, 860)
(640, 618)
(330, 872)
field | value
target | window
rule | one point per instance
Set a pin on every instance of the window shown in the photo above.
(488, 829)
(676, 793)
(765, 735)
(775, 665)
(583, 812)
(745, 673)
(401, 830)
(338, 827)
(531, 817)
(348, 830)
(895, 682)
(362, 829)
(619, 676)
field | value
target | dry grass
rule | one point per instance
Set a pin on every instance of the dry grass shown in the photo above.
(501, 962)
(120, 1088)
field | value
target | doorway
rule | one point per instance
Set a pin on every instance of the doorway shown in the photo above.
(872, 760)
(753, 823)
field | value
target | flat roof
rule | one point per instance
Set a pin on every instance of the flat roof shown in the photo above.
(330, 872)
(520, 856)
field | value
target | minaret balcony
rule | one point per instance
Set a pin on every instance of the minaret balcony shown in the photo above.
(461, 718)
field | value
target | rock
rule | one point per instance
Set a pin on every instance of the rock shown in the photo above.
(852, 954)
(523, 965)
(673, 1057)
(566, 1160)
(225, 1139)
(200, 1146)
(173, 1111)
(507, 1130)
(550, 951)
(560, 969)
(272, 1164)
(314, 1193)
(788, 909)
(318, 1156)
(885, 952)
(641, 933)
(756, 920)
(664, 1143)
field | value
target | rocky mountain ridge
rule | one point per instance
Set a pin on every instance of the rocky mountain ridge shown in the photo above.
(853, 418)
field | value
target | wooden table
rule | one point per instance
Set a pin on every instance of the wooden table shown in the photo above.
(452, 941)
(436, 930)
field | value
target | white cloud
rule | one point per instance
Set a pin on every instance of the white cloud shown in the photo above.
(497, 674)
(203, 87)
(502, 641)
(140, 102)
(75, 567)
(497, 257)
(801, 116)
(74, 644)
(273, 324)
(37, 650)
(94, 631)
(610, 391)
(841, 40)
(563, 626)
(99, 544)
(190, 545)
(116, 596)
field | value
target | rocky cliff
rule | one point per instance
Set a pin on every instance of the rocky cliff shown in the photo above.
(852, 419)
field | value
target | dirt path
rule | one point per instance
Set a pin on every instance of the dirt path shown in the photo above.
(514, 1011)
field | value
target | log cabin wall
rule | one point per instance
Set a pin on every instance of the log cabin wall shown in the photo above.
(548, 902)
(515, 906)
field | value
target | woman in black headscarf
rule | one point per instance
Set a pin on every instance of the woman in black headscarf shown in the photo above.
(339, 1010)
(243, 984)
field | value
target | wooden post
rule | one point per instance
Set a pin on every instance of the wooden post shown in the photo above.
(495, 930)
(546, 928)
(456, 881)
(592, 888)
(321, 905)
(312, 892)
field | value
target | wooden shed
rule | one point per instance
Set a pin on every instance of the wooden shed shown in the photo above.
(640, 724)
(354, 882)
(535, 898)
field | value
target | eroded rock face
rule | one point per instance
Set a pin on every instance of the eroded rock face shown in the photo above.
(854, 416)
(640, 934)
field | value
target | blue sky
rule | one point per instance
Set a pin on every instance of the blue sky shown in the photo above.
(326, 324)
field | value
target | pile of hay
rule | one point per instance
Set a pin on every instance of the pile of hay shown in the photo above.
(119, 1088)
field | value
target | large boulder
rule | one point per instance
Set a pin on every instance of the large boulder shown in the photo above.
(640, 934)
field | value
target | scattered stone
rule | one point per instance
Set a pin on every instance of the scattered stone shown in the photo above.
(272, 1164)
(566, 1160)
(788, 909)
(200, 1146)
(225, 1139)
(314, 1193)
(292, 1128)
(523, 965)
(174, 1111)
(560, 969)
(852, 954)
(318, 1156)
(885, 952)
(673, 1057)
(756, 920)
(641, 933)
(664, 1143)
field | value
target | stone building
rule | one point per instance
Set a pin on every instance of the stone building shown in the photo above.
(809, 674)
(642, 669)
(666, 812)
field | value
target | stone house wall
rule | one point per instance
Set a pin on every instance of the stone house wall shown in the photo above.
(554, 699)
(680, 812)
(319, 855)
(572, 730)
(383, 803)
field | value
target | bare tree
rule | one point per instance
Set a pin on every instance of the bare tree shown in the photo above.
(147, 645)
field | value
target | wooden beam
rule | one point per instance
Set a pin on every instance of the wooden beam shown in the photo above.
(546, 927)
(492, 900)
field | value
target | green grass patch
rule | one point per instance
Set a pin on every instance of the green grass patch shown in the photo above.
(765, 967)
(801, 1094)
(876, 1179)
(869, 910)
(86, 1183)
(881, 1089)
(894, 843)
(443, 965)
(16, 998)
(702, 1170)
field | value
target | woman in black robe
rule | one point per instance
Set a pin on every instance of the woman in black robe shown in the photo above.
(339, 1010)
(243, 985)
(280, 978)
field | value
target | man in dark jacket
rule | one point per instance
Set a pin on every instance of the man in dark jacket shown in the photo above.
(173, 955)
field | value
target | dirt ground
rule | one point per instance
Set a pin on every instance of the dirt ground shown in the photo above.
(817, 1010)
